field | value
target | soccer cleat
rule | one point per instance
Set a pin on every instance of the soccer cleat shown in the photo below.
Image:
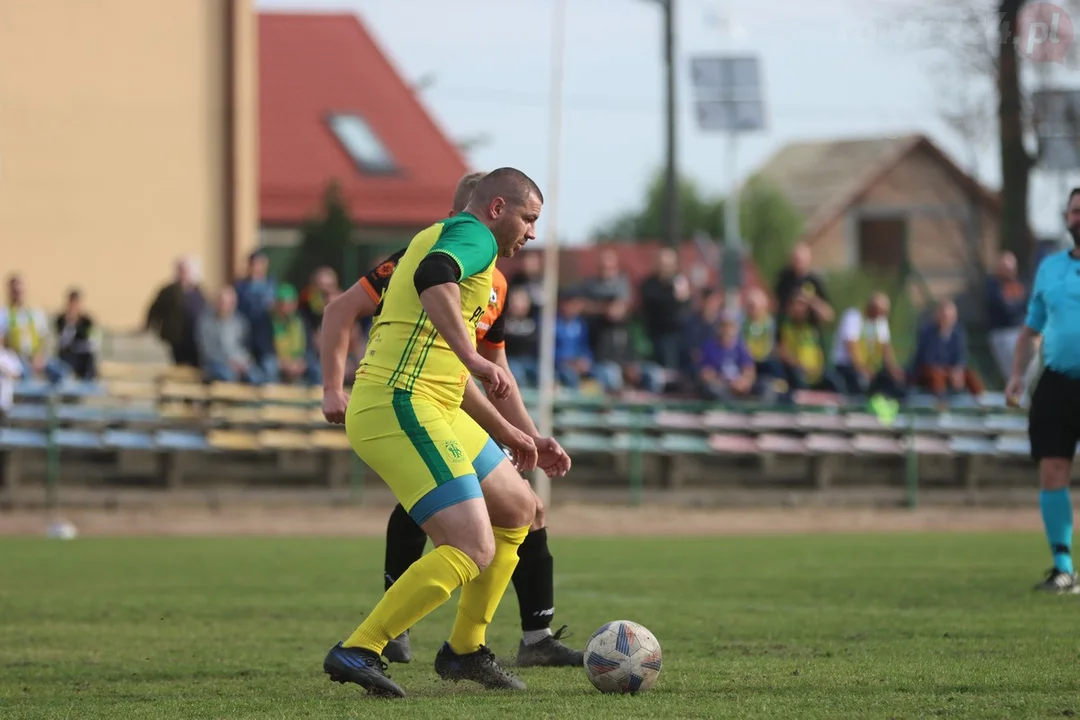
(362, 667)
(549, 652)
(1059, 582)
(398, 650)
(479, 666)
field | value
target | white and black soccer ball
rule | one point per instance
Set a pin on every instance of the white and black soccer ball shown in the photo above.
(622, 657)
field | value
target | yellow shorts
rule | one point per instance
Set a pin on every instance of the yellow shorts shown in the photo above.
(429, 456)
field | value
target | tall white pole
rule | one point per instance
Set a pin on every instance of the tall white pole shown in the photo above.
(542, 482)
(731, 214)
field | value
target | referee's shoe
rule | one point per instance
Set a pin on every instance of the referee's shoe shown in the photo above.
(1059, 583)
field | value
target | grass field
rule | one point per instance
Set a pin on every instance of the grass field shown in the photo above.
(883, 626)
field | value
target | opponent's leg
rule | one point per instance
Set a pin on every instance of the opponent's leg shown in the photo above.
(405, 541)
(534, 582)
(465, 656)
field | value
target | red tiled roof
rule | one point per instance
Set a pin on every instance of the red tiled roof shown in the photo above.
(312, 65)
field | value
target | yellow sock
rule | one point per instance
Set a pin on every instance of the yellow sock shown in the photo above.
(426, 585)
(481, 597)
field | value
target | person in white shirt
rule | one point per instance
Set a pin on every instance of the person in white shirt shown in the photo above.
(863, 353)
(11, 369)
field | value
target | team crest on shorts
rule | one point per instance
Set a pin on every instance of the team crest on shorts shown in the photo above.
(454, 450)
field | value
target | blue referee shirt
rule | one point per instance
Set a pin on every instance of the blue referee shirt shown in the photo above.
(1054, 312)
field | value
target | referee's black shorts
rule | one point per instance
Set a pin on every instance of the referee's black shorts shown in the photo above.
(1054, 418)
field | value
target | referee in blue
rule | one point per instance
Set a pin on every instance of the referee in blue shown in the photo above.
(1054, 416)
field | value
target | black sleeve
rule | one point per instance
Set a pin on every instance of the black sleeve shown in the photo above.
(376, 280)
(436, 269)
(496, 334)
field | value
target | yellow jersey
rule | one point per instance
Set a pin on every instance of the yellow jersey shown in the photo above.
(404, 350)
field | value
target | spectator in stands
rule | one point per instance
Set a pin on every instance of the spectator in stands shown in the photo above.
(799, 348)
(27, 331)
(11, 369)
(863, 353)
(291, 360)
(799, 279)
(521, 331)
(322, 287)
(665, 305)
(610, 286)
(76, 342)
(617, 362)
(530, 278)
(1006, 307)
(573, 353)
(759, 336)
(725, 370)
(702, 326)
(175, 312)
(223, 343)
(940, 363)
(255, 300)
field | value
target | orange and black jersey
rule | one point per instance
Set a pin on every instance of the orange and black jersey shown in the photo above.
(490, 327)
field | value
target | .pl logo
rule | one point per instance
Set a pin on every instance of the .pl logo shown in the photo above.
(1043, 32)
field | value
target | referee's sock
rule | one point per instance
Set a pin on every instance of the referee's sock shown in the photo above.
(1057, 516)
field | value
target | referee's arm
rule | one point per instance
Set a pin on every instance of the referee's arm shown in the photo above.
(1030, 333)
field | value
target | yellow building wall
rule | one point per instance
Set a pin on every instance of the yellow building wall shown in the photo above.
(113, 146)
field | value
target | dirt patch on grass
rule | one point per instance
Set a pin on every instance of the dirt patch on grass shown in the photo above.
(568, 520)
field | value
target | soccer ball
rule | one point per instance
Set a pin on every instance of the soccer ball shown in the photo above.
(622, 657)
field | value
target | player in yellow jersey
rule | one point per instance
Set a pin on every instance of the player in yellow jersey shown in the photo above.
(533, 578)
(411, 387)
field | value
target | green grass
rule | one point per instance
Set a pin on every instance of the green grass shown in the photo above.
(840, 626)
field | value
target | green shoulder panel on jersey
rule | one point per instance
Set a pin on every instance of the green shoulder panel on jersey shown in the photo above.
(468, 242)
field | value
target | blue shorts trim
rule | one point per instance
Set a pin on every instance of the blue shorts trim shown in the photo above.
(488, 459)
(449, 493)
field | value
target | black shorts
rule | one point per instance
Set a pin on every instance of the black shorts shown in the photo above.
(1054, 419)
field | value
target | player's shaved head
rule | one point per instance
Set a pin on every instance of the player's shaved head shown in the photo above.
(510, 184)
(465, 188)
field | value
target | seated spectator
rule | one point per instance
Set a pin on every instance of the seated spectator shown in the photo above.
(222, 335)
(573, 356)
(11, 369)
(702, 326)
(940, 362)
(255, 297)
(799, 349)
(725, 369)
(863, 352)
(27, 331)
(321, 288)
(617, 360)
(290, 362)
(521, 331)
(76, 351)
(759, 335)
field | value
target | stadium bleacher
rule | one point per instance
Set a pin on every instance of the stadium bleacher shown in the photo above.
(159, 426)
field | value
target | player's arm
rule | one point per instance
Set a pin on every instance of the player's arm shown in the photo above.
(511, 407)
(459, 254)
(1030, 334)
(520, 443)
(338, 319)
(339, 330)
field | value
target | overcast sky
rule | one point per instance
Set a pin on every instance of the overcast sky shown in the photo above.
(849, 69)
